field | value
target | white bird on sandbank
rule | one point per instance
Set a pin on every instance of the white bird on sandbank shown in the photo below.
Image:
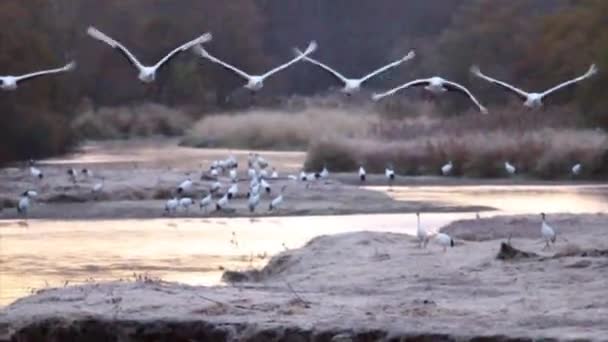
(147, 74)
(184, 186)
(421, 233)
(274, 174)
(353, 85)
(510, 168)
(36, 172)
(576, 169)
(362, 174)
(185, 203)
(533, 100)
(253, 201)
(233, 190)
(437, 86)
(254, 82)
(24, 202)
(222, 203)
(389, 173)
(98, 186)
(10, 82)
(447, 168)
(277, 201)
(171, 205)
(547, 232)
(444, 240)
(205, 202)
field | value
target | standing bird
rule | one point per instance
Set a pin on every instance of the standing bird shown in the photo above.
(87, 173)
(36, 172)
(171, 205)
(10, 82)
(265, 185)
(24, 202)
(447, 168)
(576, 169)
(253, 201)
(277, 201)
(274, 174)
(436, 85)
(254, 82)
(547, 232)
(361, 174)
(72, 173)
(233, 174)
(353, 85)
(510, 168)
(251, 173)
(533, 100)
(147, 74)
(444, 240)
(205, 202)
(98, 187)
(324, 173)
(215, 187)
(421, 233)
(389, 173)
(186, 202)
(184, 186)
(222, 202)
(233, 190)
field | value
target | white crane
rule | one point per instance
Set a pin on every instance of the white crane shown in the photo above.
(353, 85)
(98, 187)
(147, 74)
(184, 186)
(265, 185)
(233, 190)
(510, 168)
(185, 203)
(233, 174)
(24, 202)
(222, 202)
(576, 169)
(277, 201)
(447, 168)
(36, 172)
(253, 201)
(215, 187)
(254, 82)
(437, 86)
(73, 173)
(10, 82)
(87, 173)
(205, 202)
(362, 174)
(533, 100)
(251, 173)
(171, 205)
(389, 173)
(421, 233)
(547, 232)
(444, 240)
(274, 174)
(324, 173)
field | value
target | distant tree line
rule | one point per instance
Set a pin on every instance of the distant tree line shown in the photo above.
(531, 43)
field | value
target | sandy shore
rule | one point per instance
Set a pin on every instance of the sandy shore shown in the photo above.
(360, 286)
(142, 193)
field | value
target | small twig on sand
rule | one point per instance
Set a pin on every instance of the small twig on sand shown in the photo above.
(211, 300)
(298, 298)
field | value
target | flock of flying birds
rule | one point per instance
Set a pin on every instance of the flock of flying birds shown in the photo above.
(436, 85)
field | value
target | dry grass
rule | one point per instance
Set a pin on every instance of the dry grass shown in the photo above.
(548, 153)
(124, 122)
(278, 130)
(541, 144)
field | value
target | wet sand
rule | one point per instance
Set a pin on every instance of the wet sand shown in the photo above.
(379, 283)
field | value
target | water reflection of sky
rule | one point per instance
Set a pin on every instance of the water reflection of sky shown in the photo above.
(193, 250)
